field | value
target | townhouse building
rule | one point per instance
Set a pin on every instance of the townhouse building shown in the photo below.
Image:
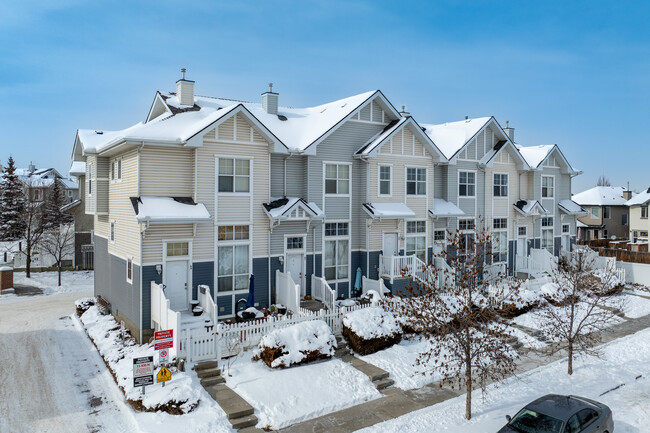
(214, 191)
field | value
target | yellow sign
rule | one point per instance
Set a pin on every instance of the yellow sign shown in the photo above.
(163, 375)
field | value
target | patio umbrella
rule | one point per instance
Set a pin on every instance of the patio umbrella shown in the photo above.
(250, 302)
(357, 281)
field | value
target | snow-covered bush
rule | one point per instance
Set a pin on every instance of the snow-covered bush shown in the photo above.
(371, 329)
(84, 304)
(523, 301)
(297, 344)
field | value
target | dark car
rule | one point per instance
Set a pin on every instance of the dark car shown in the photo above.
(561, 414)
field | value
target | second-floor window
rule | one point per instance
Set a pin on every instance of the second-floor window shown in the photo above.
(466, 184)
(416, 181)
(90, 179)
(112, 234)
(500, 185)
(595, 212)
(337, 179)
(416, 239)
(234, 175)
(624, 219)
(547, 233)
(547, 187)
(644, 211)
(606, 212)
(337, 242)
(385, 180)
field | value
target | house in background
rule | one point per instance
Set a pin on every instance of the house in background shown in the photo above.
(211, 191)
(38, 183)
(607, 217)
(639, 222)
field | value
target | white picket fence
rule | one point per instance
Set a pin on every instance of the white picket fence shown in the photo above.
(540, 260)
(376, 285)
(207, 303)
(322, 291)
(287, 292)
(162, 316)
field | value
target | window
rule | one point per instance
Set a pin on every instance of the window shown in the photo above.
(129, 270)
(439, 235)
(500, 185)
(119, 169)
(416, 239)
(566, 228)
(175, 249)
(416, 181)
(547, 187)
(234, 175)
(90, 179)
(547, 233)
(465, 224)
(644, 211)
(595, 212)
(522, 231)
(466, 183)
(37, 194)
(233, 264)
(500, 239)
(337, 247)
(624, 219)
(605, 234)
(295, 243)
(112, 234)
(385, 180)
(337, 179)
(69, 193)
(113, 171)
(606, 212)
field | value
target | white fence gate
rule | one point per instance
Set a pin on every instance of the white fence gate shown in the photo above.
(287, 292)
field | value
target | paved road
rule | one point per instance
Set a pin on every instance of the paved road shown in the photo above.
(51, 377)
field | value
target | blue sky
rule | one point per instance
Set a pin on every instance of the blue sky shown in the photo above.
(571, 73)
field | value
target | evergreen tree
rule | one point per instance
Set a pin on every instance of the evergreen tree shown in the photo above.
(12, 205)
(53, 216)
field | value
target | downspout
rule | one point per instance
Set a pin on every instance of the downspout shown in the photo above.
(141, 267)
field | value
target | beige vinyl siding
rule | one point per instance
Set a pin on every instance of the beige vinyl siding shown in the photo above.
(166, 171)
(127, 230)
(152, 244)
(101, 226)
(234, 208)
(378, 229)
(502, 207)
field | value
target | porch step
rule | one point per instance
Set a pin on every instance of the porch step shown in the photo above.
(208, 372)
(206, 365)
(231, 403)
(244, 422)
(209, 381)
(373, 373)
(383, 384)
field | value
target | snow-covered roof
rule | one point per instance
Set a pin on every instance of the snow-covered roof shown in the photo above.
(388, 210)
(570, 207)
(580, 224)
(70, 205)
(534, 155)
(78, 168)
(530, 207)
(283, 208)
(640, 199)
(168, 210)
(443, 208)
(379, 138)
(451, 137)
(601, 196)
(69, 184)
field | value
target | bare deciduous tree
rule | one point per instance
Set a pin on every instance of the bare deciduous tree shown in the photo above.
(455, 313)
(581, 306)
(33, 226)
(603, 181)
(59, 243)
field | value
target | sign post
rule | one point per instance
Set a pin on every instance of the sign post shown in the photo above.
(143, 372)
(163, 339)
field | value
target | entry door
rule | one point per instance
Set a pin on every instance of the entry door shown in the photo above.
(390, 244)
(522, 253)
(294, 266)
(176, 288)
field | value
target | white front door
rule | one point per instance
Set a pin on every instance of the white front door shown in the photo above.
(390, 244)
(522, 254)
(176, 288)
(294, 266)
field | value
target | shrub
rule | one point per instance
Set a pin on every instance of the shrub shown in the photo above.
(83, 305)
(297, 344)
(371, 329)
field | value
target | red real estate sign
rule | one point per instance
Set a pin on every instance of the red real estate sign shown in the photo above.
(163, 339)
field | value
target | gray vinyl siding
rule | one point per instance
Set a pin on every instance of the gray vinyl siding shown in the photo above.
(294, 228)
(277, 175)
(440, 182)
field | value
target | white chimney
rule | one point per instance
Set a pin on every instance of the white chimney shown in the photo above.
(510, 132)
(270, 101)
(185, 90)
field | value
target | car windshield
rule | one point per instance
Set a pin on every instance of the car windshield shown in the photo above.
(529, 421)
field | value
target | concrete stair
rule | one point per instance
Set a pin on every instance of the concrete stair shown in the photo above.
(377, 376)
(239, 412)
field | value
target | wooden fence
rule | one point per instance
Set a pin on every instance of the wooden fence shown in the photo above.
(625, 255)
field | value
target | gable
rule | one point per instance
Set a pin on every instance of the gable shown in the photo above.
(158, 108)
(237, 128)
(373, 112)
(477, 147)
(404, 142)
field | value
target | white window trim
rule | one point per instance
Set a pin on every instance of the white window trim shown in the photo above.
(501, 230)
(417, 235)
(338, 237)
(230, 243)
(542, 187)
(550, 228)
(250, 176)
(426, 182)
(295, 250)
(112, 231)
(507, 185)
(475, 186)
(302, 251)
(568, 232)
(130, 281)
(390, 180)
(525, 235)
(187, 258)
(119, 168)
(89, 187)
(325, 164)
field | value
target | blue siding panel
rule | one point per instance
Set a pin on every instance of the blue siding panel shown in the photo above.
(275, 265)
(343, 290)
(261, 273)
(224, 305)
(149, 274)
(374, 265)
(557, 245)
(202, 273)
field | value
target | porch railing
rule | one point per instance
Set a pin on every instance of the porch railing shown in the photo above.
(207, 303)
(162, 315)
(287, 292)
(321, 291)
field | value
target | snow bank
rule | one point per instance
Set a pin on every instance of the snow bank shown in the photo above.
(282, 397)
(296, 344)
(372, 322)
(180, 394)
(71, 281)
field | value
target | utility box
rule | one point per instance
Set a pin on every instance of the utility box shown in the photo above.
(6, 277)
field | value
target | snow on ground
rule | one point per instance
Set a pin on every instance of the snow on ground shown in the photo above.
(282, 397)
(372, 322)
(71, 281)
(622, 362)
(534, 319)
(636, 307)
(297, 341)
